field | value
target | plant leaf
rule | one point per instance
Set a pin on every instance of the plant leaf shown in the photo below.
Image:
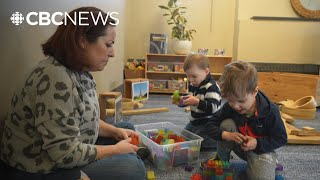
(175, 12)
(163, 7)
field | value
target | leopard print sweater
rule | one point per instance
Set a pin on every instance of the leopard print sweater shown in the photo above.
(53, 121)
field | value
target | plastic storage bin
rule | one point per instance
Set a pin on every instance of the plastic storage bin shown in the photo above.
(158, 84)
(164, 157)
(160, 66)
(177, 85)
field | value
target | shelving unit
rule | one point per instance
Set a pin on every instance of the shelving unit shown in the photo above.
(164, 70)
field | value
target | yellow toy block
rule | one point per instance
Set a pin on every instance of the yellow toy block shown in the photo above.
(150, 175)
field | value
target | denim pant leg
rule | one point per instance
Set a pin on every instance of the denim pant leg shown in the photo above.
(200, 130)
(125, 125)
(61, 174)
(118, 167)
(261, 166)
(124, 166)
(110, 141)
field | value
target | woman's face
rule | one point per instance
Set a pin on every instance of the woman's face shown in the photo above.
(98, 52)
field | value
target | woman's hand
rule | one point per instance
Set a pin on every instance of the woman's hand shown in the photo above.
(121, 134)
(233, 136)
(190, 100)
(124, 147)
(250, 144)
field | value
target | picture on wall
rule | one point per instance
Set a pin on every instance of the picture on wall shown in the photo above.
(140, 91)
(158, 43)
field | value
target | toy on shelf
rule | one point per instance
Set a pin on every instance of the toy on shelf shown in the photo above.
(157, 84)
(134, 64)
(163, 136)
(179, 84)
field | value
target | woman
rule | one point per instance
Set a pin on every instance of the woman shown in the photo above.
(53, 124)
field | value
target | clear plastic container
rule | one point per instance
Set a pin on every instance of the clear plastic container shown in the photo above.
(164, 157)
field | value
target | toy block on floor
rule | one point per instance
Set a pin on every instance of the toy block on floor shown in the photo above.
(150, 175)
(305, 133)
(294, 139)
(307, 128)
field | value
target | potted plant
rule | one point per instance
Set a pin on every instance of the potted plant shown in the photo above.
(181, 34)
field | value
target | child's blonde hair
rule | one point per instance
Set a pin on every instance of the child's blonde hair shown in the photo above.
(238, 79)
(196, 59)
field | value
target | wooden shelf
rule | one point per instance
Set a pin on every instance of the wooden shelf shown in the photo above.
(160, 72)
(272, 18)
(176, 55)
(166, 91)
(216, 74)
(216, 64)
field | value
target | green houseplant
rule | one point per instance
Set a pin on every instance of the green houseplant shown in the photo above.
(180, 31)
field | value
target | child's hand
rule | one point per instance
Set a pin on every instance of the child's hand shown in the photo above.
(191, 100)
(233, 136)
(249, 144)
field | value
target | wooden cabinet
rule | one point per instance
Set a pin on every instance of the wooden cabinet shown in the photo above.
(165, 71)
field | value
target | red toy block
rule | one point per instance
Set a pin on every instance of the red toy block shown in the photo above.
(172, 136)
(180, 139)
(159, 138)
(135, 140)
(196, 176)
(211, 163)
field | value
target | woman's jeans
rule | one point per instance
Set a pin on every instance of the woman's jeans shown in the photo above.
(124, 166)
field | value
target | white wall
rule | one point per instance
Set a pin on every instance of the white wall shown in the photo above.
(20, 45)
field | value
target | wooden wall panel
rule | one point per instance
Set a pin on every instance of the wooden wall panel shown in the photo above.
(281, 86)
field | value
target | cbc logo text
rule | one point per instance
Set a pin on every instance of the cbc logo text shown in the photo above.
(45, 18)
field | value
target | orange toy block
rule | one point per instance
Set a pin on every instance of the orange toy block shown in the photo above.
(135, 140)
(196, 176)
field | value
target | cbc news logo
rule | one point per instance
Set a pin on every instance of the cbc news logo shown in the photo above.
(17, 18)
(45, 18)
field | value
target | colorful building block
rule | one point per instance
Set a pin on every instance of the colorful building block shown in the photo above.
(135, 140)
(196, 176)
(218, 170)
(150, 175)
